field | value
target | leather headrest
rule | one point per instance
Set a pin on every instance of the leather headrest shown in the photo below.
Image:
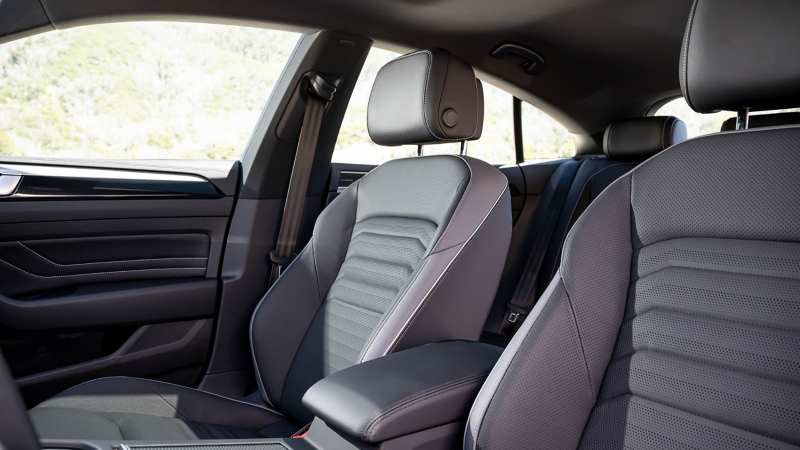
(640, 138)
(425, 97)
(741, 54)
(765, 120)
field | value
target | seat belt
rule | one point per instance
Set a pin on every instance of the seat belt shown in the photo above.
(525, 293)
(320, 92)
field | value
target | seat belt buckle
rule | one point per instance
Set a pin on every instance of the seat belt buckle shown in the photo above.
(514, 312)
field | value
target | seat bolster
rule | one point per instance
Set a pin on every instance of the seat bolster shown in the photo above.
(448, 293)
(159, 399)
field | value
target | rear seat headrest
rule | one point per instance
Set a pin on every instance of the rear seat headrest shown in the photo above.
(640, 138)
(741, 54)
(425, 97)
(764, 120)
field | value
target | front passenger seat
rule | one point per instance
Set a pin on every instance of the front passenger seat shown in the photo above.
(408, 255)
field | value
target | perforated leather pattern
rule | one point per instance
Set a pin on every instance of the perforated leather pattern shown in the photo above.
(384, 254)
(719, 186)
(712, 337)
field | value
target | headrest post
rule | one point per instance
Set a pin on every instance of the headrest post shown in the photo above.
(742, 119)
(463, 148)
(419, 150)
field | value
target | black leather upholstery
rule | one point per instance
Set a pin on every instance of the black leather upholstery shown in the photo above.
(765, 120)
(404, 392)
(741, 54)
(640, 138)
(425, 97)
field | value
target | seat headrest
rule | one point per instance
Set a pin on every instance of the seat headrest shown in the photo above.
(741, 54)
(765, 120)
(640, 138)
(425, 97)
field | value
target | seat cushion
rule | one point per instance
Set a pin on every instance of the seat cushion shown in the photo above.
(137, 409)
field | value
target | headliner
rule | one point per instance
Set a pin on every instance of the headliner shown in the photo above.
(605, 59)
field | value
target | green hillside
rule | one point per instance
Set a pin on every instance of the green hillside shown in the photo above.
(138, 90)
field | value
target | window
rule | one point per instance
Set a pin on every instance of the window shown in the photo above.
(543, 137)
(699, 124)
(138, 90)
(354, 143)
(496, 144)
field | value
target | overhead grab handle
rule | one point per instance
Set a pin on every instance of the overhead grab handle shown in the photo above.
(533, 64)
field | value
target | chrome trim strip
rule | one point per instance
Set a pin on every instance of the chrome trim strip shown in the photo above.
(107, 174)
(8, 184)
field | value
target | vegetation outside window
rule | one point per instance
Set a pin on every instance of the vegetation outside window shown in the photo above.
(543, 137)
(153, 90)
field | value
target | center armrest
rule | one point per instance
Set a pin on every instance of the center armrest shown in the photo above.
(404, 392)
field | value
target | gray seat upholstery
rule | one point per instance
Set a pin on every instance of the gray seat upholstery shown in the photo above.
(408, 255)
(674, 319)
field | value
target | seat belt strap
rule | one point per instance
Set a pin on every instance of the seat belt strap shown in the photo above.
(320, 92)
(524, 295)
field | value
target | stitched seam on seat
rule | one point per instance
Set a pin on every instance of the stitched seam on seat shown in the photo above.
(450, 265)
(458, 207)
(714, 420)
(394, 307)
(580, 340)
(706, 363)
(98, 273)
(487, 400)
(686, 55)
(105, 262)
(162, 398)
(369, 428)
(707, 316)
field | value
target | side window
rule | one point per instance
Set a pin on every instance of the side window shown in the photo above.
(496, 144)
(117, 91)
(543, 137)
(696, 124)
(354, 144)
(699, 124)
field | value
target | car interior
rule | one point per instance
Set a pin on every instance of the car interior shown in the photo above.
(391, 225)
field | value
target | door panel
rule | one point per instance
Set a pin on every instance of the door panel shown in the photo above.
(110, 269)
(172, 352)
(28, 267)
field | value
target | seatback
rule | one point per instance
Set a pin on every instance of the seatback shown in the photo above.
(409, 254)
(674, 320)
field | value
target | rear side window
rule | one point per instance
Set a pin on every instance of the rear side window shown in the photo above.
(699, 124)
(543, 137)
(154, 90)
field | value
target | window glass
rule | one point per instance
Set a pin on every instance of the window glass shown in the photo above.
(496, 144)
(699, 124)
(138, 90)
(696, 124)
(543, 137)
(354, 143)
